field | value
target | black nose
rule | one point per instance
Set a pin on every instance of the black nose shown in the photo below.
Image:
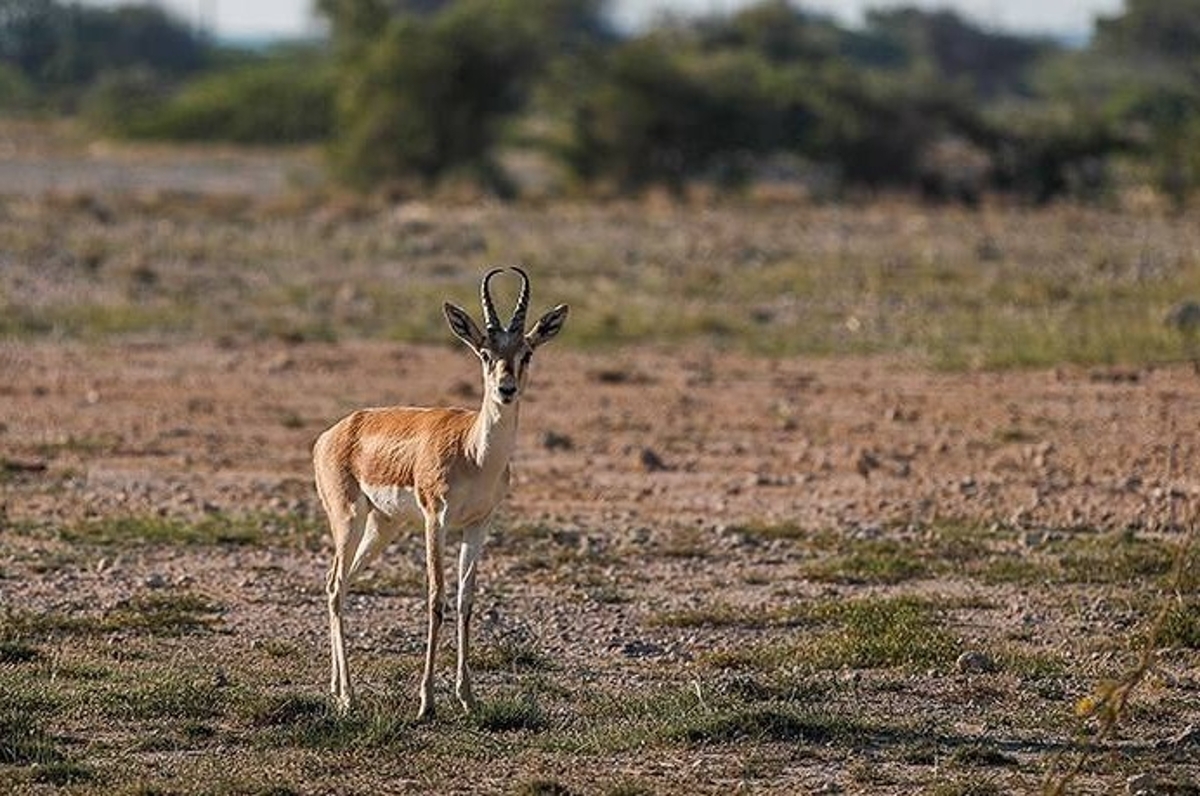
(507, 391)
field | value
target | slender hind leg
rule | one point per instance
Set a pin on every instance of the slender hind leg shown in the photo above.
(346, 523)
(379, 532)
(468, 557)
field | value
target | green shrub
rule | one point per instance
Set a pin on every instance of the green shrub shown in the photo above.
(284, 100)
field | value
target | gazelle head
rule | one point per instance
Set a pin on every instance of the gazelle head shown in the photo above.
(505, 351)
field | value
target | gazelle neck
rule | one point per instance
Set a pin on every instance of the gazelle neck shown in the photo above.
(494, 432)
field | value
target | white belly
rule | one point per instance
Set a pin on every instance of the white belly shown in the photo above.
(394, 502)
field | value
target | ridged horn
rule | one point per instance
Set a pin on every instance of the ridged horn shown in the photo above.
(517, 324)
(490, 319)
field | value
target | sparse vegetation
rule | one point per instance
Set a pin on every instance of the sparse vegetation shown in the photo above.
(848, 543)
(904, 283)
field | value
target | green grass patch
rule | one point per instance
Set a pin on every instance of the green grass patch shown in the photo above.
(24, 741)
(298, 719)
(1112, 558)
(893, 556)
(1034, 665)
(872, 633)
(1181, 625)
(164, 613)
(510, 655)
(511, 714)
(62, 774)
(130, 531)
(882, 561)
(758, 724)
(180, 696)
(867, 633)
(1085, 557)
(13, 652)
(724, 615)
(156, 613)
(770, 531)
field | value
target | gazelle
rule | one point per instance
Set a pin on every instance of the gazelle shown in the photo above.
(449, 467)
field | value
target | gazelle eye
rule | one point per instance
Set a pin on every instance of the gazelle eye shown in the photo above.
(528, 355)
(486, 356)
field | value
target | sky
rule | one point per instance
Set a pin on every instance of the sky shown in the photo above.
(292, 18)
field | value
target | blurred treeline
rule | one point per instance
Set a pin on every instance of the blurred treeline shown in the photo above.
(516, 96)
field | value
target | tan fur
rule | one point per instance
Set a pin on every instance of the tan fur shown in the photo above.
(399, 446)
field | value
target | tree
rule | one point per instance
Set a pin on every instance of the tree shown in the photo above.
(952, 49)
(427, 94)
(1167, 29)
(1159, 43)
(57, 46)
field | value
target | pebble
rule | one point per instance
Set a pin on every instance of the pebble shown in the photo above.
(652, 462)
(1139, 785)
(974, 662)
(641, 649)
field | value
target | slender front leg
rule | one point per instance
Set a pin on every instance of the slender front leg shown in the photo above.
(468, 558)
(436, 592)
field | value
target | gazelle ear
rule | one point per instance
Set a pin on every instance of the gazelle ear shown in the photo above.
(463, 326)
(547, 326)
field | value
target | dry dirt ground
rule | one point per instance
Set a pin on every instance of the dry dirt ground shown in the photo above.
(671, 514)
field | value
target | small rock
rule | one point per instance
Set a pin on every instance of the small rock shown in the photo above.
(867, 461)
(1184, 316)
(553, 441)
(1139, 785)
(652, 462)
(1188, 736)
(975, 662)
(641, 649)
(155, 581)
(1032, 539)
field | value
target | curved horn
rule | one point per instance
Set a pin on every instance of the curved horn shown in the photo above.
(490, 319)
(517, 324)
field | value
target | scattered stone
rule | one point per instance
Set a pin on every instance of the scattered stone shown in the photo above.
(770, 479)
(1185, 316)
(1033, 539)
(1115, 376)
(975, 662)
(641, 649)
(652, 462)
(156, 580)
(1139, 785)
(1188, 736)
(554, 441)
(866, 462)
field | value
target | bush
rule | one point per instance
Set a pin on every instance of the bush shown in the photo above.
(279, 101)
(16, 93)
(664, 114)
